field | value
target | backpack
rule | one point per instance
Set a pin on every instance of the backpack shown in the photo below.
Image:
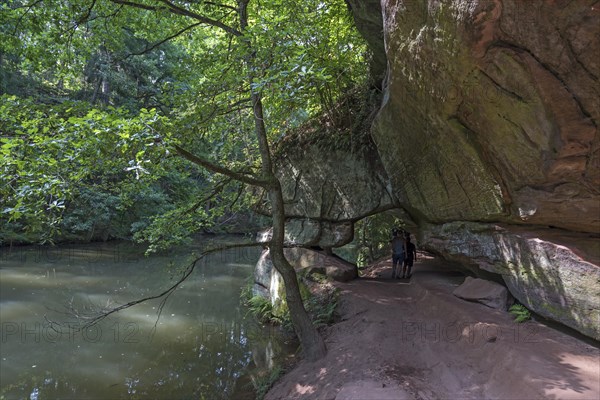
(410, 249)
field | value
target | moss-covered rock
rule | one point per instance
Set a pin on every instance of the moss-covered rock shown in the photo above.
(553, 273)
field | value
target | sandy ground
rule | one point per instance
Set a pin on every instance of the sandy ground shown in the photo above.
(414, 340)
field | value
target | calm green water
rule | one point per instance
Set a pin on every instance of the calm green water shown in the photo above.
(201, 347)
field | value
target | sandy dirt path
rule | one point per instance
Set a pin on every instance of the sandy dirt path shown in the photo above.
(399, 340)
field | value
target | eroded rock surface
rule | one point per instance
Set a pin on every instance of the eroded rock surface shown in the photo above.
(487, 138)
(554, 273)
(491, 110)
(333, 185)
(309, 232)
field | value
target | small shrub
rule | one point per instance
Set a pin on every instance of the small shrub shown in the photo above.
(321, 305)
(261, 308)
(318, 277)
(262, 384)
(520, 312)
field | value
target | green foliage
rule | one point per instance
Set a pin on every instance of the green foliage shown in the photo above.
(320, 303)
(52, 155)
(261, 308)
(322, 306)
(74, 172)
(263, 383)
(371, 239)
(146, 79)
(345, 127)
(318, 277)
(520, 312)
(87, 51)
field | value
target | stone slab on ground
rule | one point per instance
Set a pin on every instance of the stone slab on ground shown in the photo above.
(488, 293)
(554, 273)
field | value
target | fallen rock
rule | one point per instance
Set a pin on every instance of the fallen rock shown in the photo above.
(488, 293)
(333, 185)
(317, 261)
(551, 272)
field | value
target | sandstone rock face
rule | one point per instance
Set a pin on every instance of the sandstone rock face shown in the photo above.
(368, 20)
(267, 282)
(326, 185)
(485, 292)
(550, 272)
(491, 110)
(487, 139)
(317, 261)
(488, 133)
(310, 232)
(326, 190)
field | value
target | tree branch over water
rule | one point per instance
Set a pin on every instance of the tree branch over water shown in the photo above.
(164, 295)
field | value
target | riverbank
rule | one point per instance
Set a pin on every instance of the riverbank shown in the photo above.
(399, 340)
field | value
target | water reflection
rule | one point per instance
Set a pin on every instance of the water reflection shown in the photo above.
(200, 347)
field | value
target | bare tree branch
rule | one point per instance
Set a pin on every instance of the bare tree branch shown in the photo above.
(213, 167)
(217, 189)
(155, 45)
(29, 7)
(165, 294)
(210, 3)
(86, 16)
(136, 5)
(175, 9)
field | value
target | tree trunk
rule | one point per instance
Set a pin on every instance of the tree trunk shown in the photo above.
(311, 341)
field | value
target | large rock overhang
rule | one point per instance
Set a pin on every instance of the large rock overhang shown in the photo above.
(486, 138)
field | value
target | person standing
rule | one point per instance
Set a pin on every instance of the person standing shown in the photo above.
(410, 258)
(398, 252)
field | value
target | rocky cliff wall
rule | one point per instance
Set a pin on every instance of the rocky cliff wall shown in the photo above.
(491, 110)
(487, 138)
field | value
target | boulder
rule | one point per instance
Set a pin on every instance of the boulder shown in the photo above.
(326, 184)
(488, 293)
(269, 283)
(317, 261)
(486, 137)
(552, 272)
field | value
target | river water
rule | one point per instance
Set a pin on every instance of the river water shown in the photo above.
(202, 346)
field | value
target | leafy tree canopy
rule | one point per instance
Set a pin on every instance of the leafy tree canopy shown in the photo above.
(98, 91)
